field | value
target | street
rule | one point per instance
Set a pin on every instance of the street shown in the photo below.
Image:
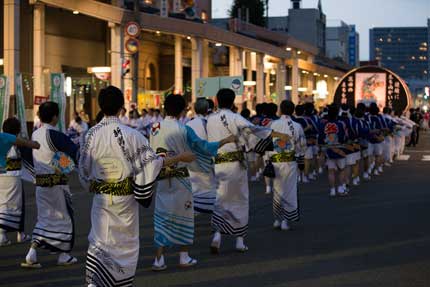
(378, 236)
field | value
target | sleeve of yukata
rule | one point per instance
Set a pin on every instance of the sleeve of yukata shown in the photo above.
(27, 162)
(203, 149)
(321, 135)
(300, 142)
(60, 142)
(147, 166)
(256, 137)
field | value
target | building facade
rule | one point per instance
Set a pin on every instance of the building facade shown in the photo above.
(404, 50)
(86, 40)
(343, 43)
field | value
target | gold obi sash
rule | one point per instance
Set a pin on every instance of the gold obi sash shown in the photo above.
(50, 180)
(229, 157)
(121, 188)
(13, 164)
(166, 173)
(285, 156)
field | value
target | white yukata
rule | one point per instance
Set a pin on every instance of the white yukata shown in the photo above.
(55, 225)
(231, 209)
(203, 184)
(174, 214)
(120, 168)
(285, 203)
(12, 193)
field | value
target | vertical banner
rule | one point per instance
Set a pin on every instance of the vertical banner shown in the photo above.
(58, 96)
(4, 99)
(164, 8)
(20, 106)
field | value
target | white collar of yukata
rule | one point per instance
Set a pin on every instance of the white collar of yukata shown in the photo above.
(110, 119)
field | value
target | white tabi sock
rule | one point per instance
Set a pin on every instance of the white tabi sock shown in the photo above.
(341, 189)
(184, 258)
(332, 191)
(216, 239)
(31, 256)
(159, 262)
(3, 236)
(268, 189)
(239, 243)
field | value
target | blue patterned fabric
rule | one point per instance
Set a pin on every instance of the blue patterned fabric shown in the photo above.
(170, 229)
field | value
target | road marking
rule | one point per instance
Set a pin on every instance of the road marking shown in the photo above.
(426, 158)
(403, 157)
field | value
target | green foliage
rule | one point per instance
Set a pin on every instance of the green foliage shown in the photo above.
(257, 9)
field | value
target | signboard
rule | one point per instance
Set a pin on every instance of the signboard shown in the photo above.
(20, 105)
(209, 87)
(58, 96)
(132, 45)
(373, 84)
(352, 42)
(132, 29)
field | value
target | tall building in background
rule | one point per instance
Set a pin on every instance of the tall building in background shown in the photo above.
(308, 25)
(404, 50)
(342, 43)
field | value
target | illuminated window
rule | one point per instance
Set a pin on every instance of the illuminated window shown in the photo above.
(389, 40)
(413, 58)
(149, 2)
(381, 40)
(398, 39)
(425, 72)
(388, 58)
(402, 67)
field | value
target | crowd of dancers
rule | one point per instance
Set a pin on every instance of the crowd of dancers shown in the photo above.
(183, 166)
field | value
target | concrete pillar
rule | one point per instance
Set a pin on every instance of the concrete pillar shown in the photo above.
(260, 77)
(196, 64)
(280, 81)
(248, 62)
(178, 65)
(206, 59)
(235, 61)
(11, 41)
(295, 78)
(38, 51)
(115, 55)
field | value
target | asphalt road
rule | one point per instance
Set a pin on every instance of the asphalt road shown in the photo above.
(379, 236)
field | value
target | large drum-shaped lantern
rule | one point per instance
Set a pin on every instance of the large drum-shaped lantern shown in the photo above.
(373, 84)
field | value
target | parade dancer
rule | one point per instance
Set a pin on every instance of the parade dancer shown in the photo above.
(376, 139)
(12, 213)
(119, 167)
(332, 138)
(351, 150)
(362, 130)
(54, 228)
(285, 159)
(310, 142)
(388, 136)
(174, 214)
(231, 208)
(203, 183)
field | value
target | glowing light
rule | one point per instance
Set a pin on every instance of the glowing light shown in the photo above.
(98, 70)
(218, 44)
(68, 86)
(302, 89)
(249, 83)
(75, 12)
(288, 88)
(188, 37)
(299, 52)
(288, 49)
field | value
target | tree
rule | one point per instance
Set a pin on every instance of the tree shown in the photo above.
(256, 10)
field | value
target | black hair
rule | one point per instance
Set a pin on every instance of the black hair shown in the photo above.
(225, 98)
(174, 105)
(361, 106)
(47, 112)
(333, 111)
(287, 107)
(374, 109)
(246, 113)
(211, 104)
(111, 100)
(309, 109)
(264, 107)
(359, 112)
(259, 109)
(12, 126)
(386, 110)
(99, 117)
(201, 106)
(272, 109)
(300, 110)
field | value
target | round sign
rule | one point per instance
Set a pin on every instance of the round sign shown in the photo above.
(132, 45)
(132, 29)
(236, 84)
(373, 84)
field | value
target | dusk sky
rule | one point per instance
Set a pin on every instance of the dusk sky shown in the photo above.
(365, 14)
